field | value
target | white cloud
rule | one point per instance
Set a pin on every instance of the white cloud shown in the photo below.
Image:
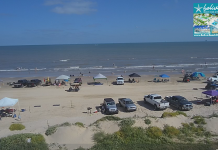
(71, 6)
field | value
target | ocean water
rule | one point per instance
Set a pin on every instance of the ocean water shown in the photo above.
(125, 58)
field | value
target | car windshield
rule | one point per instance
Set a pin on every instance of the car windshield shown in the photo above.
(129, 102)
(184, 99)
(110, 103)
(157, 97)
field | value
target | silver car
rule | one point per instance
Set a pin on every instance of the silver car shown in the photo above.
(128, 104)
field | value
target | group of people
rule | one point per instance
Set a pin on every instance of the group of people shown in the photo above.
(133, 80)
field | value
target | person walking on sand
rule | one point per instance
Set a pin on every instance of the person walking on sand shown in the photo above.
(19, 118)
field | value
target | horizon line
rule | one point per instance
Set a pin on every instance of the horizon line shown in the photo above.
(105, 43)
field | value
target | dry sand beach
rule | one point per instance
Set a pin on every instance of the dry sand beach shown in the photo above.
(73, 107)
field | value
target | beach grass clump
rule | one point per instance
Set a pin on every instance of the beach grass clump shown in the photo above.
(128, 122)
(171, 131)
(99, 136)
(213, 115)
(190, 130)
(147, 121)
(154, 132)
(173, 114)
(16, 126)
(19, 141)
(80, 148)
(51, 130)
(199, 120)
(65, 124)
(79, 124)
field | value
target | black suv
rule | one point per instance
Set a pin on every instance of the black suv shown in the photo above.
(179, 102)
(109, 106)
(36, 81)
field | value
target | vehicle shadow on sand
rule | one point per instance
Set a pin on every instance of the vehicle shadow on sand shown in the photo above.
(120, 108)
(145, 105)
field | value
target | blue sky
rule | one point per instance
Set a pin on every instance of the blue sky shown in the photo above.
(36, 22)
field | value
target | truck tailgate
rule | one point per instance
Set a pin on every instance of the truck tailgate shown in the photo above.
(164, 103)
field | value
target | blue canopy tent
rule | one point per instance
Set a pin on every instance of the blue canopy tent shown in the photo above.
(164, 76)
(195, 74)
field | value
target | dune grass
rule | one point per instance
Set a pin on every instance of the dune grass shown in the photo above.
(79, 124)
(173, 114)
(152, 138)
(16, 127)
(19, 142)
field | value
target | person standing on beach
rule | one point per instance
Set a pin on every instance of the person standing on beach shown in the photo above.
(19, 118)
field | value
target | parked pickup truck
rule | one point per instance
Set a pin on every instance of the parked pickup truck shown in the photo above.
(109, 106)
(21, 83)
(213, 78)
(127, 103)
(157, 101)
(34, 83)
(120, 81)
(179, 102)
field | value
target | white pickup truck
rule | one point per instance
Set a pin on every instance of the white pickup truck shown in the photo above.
(213, 78)
(157, 101)
(120, 81)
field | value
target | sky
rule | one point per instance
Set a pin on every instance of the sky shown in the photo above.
(42, 22)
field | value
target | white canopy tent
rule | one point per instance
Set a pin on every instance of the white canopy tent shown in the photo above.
(99, 76)
(63, 77)
(8, 102)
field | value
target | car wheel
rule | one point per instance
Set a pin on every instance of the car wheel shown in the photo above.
(120, 104)
(155, 107)
(126, 109)
(180, 107)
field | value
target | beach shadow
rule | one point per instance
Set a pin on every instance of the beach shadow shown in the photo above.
(205, 82)
(179, 81)
(120, 108)
(146, 105)
(94, 83)
(114, 83)
(174, 108)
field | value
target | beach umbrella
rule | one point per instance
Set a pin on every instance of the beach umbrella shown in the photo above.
(164, 76)
(134, 75)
